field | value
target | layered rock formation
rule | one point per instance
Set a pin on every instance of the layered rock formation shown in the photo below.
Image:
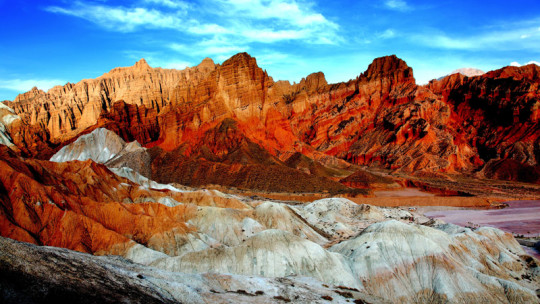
(498, 113)
(65, 111)
(225, 157)
(436, 258)
(32, 274)
(83, 206)
(7, 117)
(382, 118)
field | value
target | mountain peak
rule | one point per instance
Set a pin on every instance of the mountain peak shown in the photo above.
(142, 64)
(240, 59)
(207, 63)
(389, 65)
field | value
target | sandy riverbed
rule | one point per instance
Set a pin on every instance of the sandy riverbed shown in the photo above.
(521, 217)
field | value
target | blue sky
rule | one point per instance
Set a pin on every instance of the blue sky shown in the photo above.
(46, 43)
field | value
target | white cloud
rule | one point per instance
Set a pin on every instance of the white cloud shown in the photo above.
(389, 33)
(398, 5)
(517, 64)
(208, 48)
(120, 18)
(518, 36)
(288, 11)
(179, 65)
(268, 21)
(170, 3)
(207, 29)
(23, 85)
(241, 21)
(268, 36)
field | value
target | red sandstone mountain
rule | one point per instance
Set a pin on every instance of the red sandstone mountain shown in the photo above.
(381, 118)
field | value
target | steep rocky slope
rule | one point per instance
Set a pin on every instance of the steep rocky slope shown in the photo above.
(83, 206)
(381, 118)
(225, 157)
(65, 111)
(7, 117)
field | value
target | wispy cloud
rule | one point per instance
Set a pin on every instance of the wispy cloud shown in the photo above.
(158, 59)
(387, 34)
(23, 85)
(217, 47)
(398, 5)
(170, 3)
(287, 11)
(262, 21)
(508, 36)
(120, 18)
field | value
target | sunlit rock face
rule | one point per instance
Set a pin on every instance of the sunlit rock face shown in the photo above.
(382, 118)
(66, 110)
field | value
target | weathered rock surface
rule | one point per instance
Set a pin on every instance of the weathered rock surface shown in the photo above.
(7, 117)
(382, 118)
(418, 264)
(85, 207)
(225, 157)
(35, 274)
(100, 146)
(65, 111)
(270, 253)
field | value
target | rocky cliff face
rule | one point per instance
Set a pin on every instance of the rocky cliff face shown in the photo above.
(382, 118)
(497, 114)
(65, 111)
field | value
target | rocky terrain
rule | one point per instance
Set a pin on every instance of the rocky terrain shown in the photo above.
(197, 246)
(217, 184)
(234, 118)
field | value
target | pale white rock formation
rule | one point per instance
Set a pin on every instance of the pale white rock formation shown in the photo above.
(100, 146)
(342, 218)
(469, 72)
(270, 253)
(282, 217)
(417, 264)
(228, 226)
(339, 216)
(129, 160)
(141, 180)
(143, 255)
(177, 243)
(232, 227)
(106, 279)
(7, 117)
